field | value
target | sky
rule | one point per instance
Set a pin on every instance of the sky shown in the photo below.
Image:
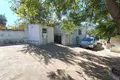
(9, 14)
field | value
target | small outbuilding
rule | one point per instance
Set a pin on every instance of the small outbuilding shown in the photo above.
(39, 34)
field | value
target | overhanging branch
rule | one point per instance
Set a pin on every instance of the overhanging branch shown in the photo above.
(113, 9)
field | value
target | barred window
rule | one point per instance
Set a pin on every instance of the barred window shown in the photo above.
(44, 30)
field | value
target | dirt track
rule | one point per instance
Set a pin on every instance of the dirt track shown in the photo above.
(54, 62)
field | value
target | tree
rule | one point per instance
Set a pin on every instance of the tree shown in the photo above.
(106, 30)
(27, 9)
(3, 20)
(21, 26)
(68, 26)
(34, 11)
(92, 11)
(18, 26)
(85, 8)
(113, 7)
(76, 11)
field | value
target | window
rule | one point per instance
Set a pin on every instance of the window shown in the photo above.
(79, 32)
(44, 30)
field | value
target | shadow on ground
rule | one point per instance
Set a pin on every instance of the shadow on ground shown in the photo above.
(97, 66)
(94, 66)
(51, 51)
(59, 75)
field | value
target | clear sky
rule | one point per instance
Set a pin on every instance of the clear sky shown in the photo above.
(5, 9)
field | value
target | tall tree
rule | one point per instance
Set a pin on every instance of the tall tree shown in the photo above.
(104, 12)
(3, 20)
(85, 8)
(113, 7)
(76, 11)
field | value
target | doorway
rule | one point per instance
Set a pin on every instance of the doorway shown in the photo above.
(44, 35)
(58, 39)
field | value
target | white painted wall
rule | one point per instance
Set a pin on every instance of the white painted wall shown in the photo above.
(32, 34)
(11, 35)
(84, 31)
(50, 35)
(67, 39)
(57, 30)
(71, 39)
(26, 33)
(35, 34)
(116, 41)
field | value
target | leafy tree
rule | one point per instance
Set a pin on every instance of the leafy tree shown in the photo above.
(80, 9)
(105, 30)
(92, 32)
(27, 9)
(3, 20)
(68, 26)
(20, 26)
(92, 11)
(33, 11)
(103, 12)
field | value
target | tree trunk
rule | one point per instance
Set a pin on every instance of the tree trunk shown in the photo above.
(109, 38)
(113, 9)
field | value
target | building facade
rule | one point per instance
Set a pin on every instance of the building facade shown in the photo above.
(69, 39)
(39, 34)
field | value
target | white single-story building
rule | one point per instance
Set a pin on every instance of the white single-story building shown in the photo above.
(69, 39)
(39, 34)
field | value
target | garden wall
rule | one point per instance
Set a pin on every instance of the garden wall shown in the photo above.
(11, 36)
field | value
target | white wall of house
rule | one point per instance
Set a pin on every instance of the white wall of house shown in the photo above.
(65, 39)
(71, 38)
(11, 35)
(57, 30)
(33, 33)
(50, 34)
(36, 35)
(116, 41)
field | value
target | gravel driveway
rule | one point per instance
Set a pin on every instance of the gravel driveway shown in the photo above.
(55, 62)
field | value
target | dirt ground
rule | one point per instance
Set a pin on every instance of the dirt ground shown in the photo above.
(55, 62)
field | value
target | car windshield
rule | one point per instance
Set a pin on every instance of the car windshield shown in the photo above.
(88, 39)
